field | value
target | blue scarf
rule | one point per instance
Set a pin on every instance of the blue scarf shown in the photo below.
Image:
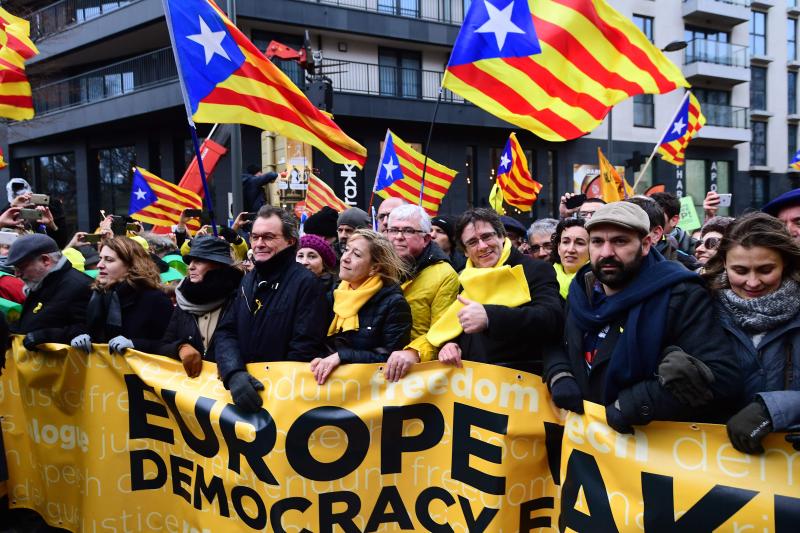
(645, 301)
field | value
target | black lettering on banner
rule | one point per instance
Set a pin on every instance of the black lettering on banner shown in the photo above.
(389, 496)
(138, 409)
(423, 511)
(282, 506)
(553, 437)
(582, 471)
(179, 477)
(710, 512)
(344, 519)
(476, 525)
(138, 481)
(787, 514)
(300, 457)
(215, 489)
(393, 443)
(464, 445)
(208, 446)
(241, 492)
(254, 451)
(528, 522)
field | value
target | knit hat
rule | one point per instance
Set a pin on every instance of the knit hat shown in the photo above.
(355, 217)
(321, 246)
(323, 222)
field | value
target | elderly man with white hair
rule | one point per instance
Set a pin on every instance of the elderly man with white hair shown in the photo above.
(430, 289)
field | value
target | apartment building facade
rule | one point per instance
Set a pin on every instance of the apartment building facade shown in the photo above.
(107, 97)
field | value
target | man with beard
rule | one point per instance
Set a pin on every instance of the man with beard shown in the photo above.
(279, 314)
(57, 294)
(640, 337)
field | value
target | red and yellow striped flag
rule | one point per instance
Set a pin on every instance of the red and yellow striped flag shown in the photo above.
(159, 202)
(682, 129)
(513, 177)
(554, 67)
(319, 194)
(15, 48)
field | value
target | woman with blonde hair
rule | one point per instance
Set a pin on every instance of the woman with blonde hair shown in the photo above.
(371, 318)
(127, 308)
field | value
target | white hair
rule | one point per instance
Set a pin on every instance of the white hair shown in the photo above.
(543, 225)
(411, 212)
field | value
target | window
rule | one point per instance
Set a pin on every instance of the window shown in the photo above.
(289, 67)
(695, 32)
(759, 191)
(399, 73)
(644, 111)
(404, 8)
(53, 175)
(758, 34)
(758, 88)
(115, 169)
(709, 45)
(758, 146)
(791, 134)
(703, 175)
(791, 39)
(645, 24)
(716, 106)
(791, 83)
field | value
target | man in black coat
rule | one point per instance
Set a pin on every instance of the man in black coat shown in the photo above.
(57, 294)
(640, 337)
(507, 335)
(280, 312)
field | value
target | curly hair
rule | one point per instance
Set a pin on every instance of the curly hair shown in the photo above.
(142, 271)
(555, 238)
(391, 268)
(751, 230)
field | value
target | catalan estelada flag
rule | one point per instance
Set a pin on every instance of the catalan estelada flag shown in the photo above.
(681, 130)
(400, 175)
(319, 194)
(16, 47)
(514, 178)
(613, 187)
(159, 202)
(795, 164)
(226, 79)
(554, 67)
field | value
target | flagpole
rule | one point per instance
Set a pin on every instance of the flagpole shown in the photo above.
(207, 194)
(428, 141)
(655, 149)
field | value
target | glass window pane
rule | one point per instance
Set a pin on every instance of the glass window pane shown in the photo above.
(115, 166)
(696, 181)
(758, 146)
(792, 92)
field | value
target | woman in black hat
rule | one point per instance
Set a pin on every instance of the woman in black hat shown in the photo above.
(443, 233)
(203, 297)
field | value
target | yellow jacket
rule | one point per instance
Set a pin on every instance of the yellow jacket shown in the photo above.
(564, 280)
(429, 294)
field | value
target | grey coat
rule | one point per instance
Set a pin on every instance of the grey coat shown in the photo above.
(771, 371)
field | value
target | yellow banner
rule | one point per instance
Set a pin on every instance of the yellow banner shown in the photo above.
(106, 443)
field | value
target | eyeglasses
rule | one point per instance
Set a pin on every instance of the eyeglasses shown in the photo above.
(711, 243)
(536, 247)
(266, 237)
(486, 237)
(407, 232)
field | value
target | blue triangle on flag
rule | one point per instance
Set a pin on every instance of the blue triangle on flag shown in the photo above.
(389, 168)
(142, 194)
(506, 159)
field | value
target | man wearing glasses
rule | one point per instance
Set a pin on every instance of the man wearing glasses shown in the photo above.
(429, 291)
(509, 307)
(280, 312)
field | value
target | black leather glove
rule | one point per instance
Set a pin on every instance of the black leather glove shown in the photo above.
(794, 440)
(229, 235)
(31, 341)
(244, 391)
(616, 419)
(748, 427)
(567, 394)
(685, 377)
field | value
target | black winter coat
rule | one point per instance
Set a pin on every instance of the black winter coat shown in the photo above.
(516, 334)
(56, 311)
(384, 325)
(279, 314)
(183, 329)
(691, 326)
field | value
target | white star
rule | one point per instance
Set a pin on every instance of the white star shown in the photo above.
(140, 194)
(505, 161)
(390, 168)
(679, 126)
(499, 23)
(211, 41)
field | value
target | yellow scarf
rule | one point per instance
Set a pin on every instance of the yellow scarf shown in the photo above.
(564, 279)
(498, 285)
(347, 302)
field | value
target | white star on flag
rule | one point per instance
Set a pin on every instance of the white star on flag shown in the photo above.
(679, 126)
(140, 194)
(499, 23)
(211, 41)
(390, 167)
(505, 161)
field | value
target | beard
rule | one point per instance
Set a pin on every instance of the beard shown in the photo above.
(622, 275)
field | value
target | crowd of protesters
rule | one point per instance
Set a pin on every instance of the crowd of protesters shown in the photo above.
(612, 303)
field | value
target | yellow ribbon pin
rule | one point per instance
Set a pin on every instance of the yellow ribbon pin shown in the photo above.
(37, 308)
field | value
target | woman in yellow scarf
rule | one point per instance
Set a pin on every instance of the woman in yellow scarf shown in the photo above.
(570, 251)
(371, 318)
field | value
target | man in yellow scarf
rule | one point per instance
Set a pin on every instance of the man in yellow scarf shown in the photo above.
(509, 306)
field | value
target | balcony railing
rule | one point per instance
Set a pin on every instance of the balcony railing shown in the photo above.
(446, 11)
(745, 3)
(61, 15)
(726, 116)
(708, 51)
(124, 77)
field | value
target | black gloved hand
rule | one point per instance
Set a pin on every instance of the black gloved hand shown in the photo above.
(686, 377)
(229, 235)
(748, 427)
(616, 419)
(567, 394)
(794, 440)
(31, 341)
(244, 391)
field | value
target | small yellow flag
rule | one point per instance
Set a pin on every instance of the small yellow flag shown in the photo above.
(613, 188)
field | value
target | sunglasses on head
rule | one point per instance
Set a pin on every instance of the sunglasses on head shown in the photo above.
(711, 243)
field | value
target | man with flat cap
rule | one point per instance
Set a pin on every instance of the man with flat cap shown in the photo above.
(640, 335)
(56, 294)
